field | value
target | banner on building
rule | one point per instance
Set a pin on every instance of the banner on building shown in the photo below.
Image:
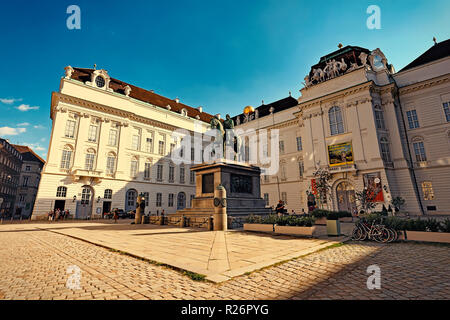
(340, 154)
(372, 181)
(313, 186)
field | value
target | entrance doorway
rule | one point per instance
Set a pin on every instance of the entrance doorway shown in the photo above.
(106, 207)
(84, 207)
(181, 201)
(130, 200)
(60, 204)
(345, 194)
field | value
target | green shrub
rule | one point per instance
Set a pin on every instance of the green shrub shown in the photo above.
(271, 219)
(253, 219)
(432, 225)
(416, 225)
(445, 225)
(319, 213)
(395, 223)
(332, 215)
(343, 214)
(295, 221)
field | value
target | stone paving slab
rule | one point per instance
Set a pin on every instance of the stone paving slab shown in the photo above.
(216, 254)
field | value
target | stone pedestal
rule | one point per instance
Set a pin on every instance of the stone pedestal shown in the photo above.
(242, 185)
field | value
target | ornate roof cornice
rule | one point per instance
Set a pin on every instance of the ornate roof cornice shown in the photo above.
(59, 97)
(425, 84)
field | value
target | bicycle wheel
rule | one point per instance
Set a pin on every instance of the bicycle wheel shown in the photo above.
(395, 235)
(382, 235)
(357, 234)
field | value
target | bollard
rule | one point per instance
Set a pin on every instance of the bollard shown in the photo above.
(220, 222)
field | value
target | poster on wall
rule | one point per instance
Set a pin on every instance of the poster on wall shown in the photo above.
(372, 181)
(340, 154)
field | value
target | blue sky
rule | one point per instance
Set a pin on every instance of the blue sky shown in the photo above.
(222, 55)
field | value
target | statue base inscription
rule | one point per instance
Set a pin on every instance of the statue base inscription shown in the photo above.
(242, 184)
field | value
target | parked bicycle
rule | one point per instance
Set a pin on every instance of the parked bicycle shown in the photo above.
(378, 232)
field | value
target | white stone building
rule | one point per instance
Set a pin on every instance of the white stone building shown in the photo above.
(111, 141)
(369, 126)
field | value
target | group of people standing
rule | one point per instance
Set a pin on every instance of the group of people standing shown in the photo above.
(58, 214)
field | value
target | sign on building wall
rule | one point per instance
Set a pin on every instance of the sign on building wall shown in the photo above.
(340, 154)
(372, 181)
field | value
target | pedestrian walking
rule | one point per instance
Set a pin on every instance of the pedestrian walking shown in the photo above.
(115, 216)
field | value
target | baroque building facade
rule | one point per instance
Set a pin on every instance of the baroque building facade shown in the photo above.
(112, 141)
(10, 165)
(370, 127)
(30, 176)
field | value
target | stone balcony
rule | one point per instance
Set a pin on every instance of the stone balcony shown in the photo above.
(84, 174)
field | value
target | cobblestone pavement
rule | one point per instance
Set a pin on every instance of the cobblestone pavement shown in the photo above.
(33, 265)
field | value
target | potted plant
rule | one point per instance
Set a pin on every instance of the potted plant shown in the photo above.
(320, 216)
(260, 223)
(345, 216)
(333, 224)
(292, 225)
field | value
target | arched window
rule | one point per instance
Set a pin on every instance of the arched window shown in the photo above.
(90, 160)
(336, 122)
(111, 163)
(379, 117)
(85, 195)
(108, 194)
(66, 158)
(61, 192)
(385, 153)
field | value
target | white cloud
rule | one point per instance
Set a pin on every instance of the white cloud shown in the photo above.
(26, 107)
(34, 146)
(42, 139)
(38, 126)
(23, 124)
(7, 131)
(9, 101)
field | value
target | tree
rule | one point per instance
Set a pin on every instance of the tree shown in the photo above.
(398, 202)
(366, 199)
(323, 186)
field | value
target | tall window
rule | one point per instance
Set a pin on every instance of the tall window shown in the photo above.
(385, 153)
(172, 147)
(25, 181)
(61, 192)
(266, 199)
(161, 148)
(149, 145)
(135, 140)
(171, 173)
(192, 177)
(419, 151)
(413, 121)
(147, 170)
(182, 174)
(283, 171)
(447, 111)
(299, 144)
(281, 146)
(159, 172)
(134, 168)
(92, 133)
(90, 159)
(336, 122)
(66, 158)
(112, 140)
(146, 198)
(70, 129)
(110, 163)
(159, 199)
(379, 117)
(85, 195)
(108, 194)
(170, 204)
(301, 168)
(427, 189)
(284, 197)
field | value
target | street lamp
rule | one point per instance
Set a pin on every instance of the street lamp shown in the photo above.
(74, 198)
